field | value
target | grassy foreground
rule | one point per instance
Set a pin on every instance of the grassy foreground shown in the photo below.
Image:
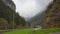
(18, 31)
(30, 31)
(46, 31)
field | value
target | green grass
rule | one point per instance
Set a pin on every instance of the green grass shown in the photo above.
(30, 31)
(24, 31)
(2, 30)
(46, 31)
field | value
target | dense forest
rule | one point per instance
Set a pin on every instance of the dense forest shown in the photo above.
(9, 18)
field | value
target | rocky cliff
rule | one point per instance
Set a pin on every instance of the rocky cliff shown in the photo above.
(10, 3)
(52, 15)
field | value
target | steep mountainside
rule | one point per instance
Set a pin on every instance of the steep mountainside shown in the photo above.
(8, 17)
(52, 18)
(37, 19)
(10, 3)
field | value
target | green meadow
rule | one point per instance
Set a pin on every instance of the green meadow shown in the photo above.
(18, 31)
(30, 31)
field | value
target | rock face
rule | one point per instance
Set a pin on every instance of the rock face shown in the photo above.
(52, 18)
(10, 3)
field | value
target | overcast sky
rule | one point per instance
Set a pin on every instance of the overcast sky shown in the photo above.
(29, 8)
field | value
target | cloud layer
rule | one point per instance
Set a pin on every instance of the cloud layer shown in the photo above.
(29, 8)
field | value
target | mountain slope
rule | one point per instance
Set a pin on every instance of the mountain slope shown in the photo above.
(37, 19)
(52, 18)
(8, 16)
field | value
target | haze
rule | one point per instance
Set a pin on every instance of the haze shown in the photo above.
(29, 8)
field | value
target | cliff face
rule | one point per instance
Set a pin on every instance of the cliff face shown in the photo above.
(52, 16)
(8, 17)
(10, 3)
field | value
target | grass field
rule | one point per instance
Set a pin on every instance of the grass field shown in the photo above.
(46, 31)
(18, 31)
(30, 31)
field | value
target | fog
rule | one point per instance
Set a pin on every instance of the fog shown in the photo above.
(29, 8)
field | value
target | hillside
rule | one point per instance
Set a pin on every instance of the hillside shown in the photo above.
(52, 15)
(37, 19)
(8, 17)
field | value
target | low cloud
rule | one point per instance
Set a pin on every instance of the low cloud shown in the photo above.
(29, 8)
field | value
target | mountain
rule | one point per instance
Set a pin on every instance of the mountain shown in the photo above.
(52, 14)
(10, 3)
(37, 19)
(9, 18)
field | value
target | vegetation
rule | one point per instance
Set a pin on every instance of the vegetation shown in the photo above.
(3, 23)
(22, 31)
(46, 31)
(30, 31)
(9, 18)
